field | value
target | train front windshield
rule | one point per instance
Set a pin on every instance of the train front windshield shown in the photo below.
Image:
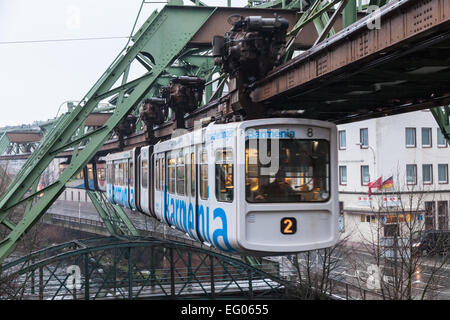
(287, 170)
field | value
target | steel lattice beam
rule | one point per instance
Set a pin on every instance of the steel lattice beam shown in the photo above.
(163, 42)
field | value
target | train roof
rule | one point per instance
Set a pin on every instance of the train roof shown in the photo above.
(214, 132)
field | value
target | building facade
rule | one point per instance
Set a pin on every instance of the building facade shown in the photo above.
(402, 162)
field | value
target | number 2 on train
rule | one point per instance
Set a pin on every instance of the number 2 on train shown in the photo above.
(288, 225)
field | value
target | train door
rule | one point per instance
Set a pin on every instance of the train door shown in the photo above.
(116, 182)
(159, 203)
(202, 209)
(137, 180)
(110, 180)
(131, 195)
(124, 183)
(144, 192)
(191, 190)
(171, 162)
(224, 208)
(101, 176)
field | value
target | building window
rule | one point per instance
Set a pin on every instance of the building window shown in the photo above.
(342, 140)
(343, 175)
(443, 173)
(391, 230)
(441, 141)
(430, 209)
(369, 219)
(411, 174)
(427, 173)
(365, 177)
(364, 138)
(410, 137)
(426, 138)
(442, 215)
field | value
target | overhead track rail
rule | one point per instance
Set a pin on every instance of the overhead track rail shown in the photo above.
(365, 72)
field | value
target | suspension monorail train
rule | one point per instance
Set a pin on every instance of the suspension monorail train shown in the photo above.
(257, 187)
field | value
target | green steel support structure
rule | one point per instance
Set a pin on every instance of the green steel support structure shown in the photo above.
(115, 218)
(161, 47)
(4, 143)
(441, 115)
(157, 38)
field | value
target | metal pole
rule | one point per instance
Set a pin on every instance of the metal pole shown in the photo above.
(86, 276)
(211, 272)
(250, 287)
(130, 274)
(172, 273)
(32, 281)
(41, 283)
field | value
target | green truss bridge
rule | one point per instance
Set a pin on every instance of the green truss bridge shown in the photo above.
(138, 268)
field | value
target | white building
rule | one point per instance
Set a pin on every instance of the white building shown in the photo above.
(411, 149)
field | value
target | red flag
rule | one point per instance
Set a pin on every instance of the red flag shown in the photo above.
(375, 184)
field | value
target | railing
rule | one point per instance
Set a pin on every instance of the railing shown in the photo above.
(267, 265)
(336, 289)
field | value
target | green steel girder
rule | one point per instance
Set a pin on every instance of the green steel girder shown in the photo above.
(441, 115)
(116, 220)
(157, 38)
(4, 143)
(349, 15)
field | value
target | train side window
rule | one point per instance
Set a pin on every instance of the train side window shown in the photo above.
(117, 174)
(144, 174)
(192, 174)
(90, 172)
(125, 174)
(131, 173)
(224, 175)
(161, 177)
(180, 173)
(157, 174)
(101, 174)
(163, 174)
(109, 173)
(171, 162)
(187, 173)
(204, 175)
(122, 174)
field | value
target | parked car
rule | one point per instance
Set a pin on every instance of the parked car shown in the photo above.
(433, 242)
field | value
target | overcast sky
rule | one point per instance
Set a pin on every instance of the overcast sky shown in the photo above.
(37, 77)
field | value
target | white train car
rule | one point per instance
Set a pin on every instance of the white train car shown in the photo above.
(120, 178)
(261, 186)
(258, 187)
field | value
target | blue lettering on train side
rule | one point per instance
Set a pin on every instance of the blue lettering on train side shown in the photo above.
(191, 226)
(171, 216)
(220, 213)
(217, 135)
(267, 134)
(201, 222)
(183, 215)
(176, 214)
(132, 198)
